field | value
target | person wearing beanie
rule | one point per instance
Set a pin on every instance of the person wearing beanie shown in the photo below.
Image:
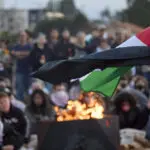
(15, 123)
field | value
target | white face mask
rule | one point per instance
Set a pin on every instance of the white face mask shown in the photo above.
(60, 98)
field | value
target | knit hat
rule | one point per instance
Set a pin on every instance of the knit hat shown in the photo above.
(5, 91)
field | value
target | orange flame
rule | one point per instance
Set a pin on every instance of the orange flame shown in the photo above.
(81, 110)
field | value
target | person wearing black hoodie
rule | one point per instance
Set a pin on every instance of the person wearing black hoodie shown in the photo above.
(64, 48)
(130, 116)
(40, 53)
(15, 123)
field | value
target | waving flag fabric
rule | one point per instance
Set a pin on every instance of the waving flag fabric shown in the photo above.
(135, 51)
(104, 82)
(107, 80)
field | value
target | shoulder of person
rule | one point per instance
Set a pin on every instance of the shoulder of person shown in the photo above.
(28, 110)
(34, 47)
(18, 104)
(46, 45)
(17, 111)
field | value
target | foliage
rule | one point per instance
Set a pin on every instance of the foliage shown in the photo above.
(10, 38)
(80, 22)
(67, 7)
(138, 12)
(74, 20)
(106, 13)
(53, 6)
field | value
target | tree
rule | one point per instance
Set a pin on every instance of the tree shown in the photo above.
(130, 2)
(106, 13)
(68, 8)
(53, 5)
(80, 22)
(138, 12)
(10, 38)
(74, 19)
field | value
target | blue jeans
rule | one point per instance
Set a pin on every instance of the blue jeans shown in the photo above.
(22, 85)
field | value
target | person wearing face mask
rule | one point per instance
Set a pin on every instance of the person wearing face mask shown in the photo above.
(59, 95)
(130, 116)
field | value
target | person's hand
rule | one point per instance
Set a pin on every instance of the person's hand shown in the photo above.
(8, 147)
(43, 59)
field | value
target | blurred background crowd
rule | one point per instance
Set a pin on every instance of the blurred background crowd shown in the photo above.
(18, 61)
(32, 100)
(36, 98)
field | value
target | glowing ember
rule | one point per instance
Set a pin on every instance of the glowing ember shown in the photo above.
(83, 109)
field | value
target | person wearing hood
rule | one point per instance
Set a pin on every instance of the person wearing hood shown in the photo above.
(130, 116)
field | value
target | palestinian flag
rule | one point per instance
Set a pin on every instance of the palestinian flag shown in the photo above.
(135, 51)
(106, 81)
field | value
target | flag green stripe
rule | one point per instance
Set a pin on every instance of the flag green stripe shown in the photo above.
(104, 81)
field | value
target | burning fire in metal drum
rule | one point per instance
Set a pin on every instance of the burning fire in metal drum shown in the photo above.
(89, 106)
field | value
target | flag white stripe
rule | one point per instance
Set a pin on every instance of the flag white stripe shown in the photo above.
(133, 41)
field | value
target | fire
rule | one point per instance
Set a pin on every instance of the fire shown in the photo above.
(88, 106)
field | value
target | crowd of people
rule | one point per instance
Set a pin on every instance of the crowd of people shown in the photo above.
(24, 101)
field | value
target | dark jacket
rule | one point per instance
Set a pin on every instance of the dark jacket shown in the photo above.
(36, 55)
(136, 118)
(38, 113)
(4, 73)
(15, 127)
(64, 49)
(91, 47)
(115, 44)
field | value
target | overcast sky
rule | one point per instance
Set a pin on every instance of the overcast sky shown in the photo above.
(90, 7)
